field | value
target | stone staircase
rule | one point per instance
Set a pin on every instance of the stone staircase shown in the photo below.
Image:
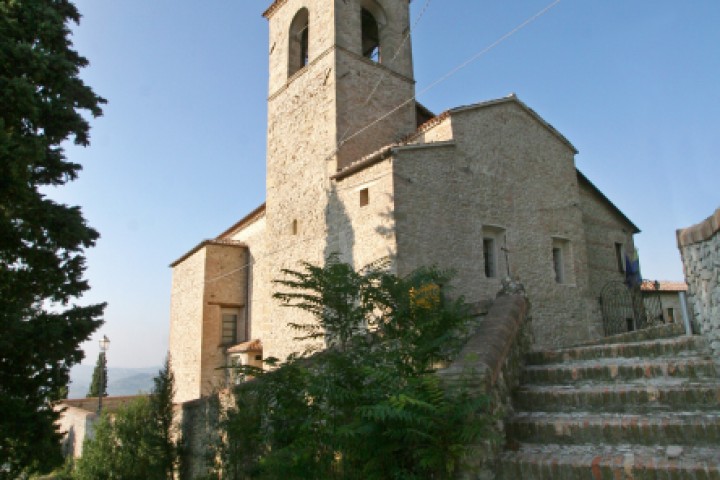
(642, 405)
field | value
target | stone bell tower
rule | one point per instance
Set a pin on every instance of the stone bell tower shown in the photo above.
(340, 87)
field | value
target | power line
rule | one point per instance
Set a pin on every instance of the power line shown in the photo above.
(441, 79)
(450, 73)
(394, 57)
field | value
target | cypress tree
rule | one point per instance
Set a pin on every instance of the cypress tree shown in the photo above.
(43, 103)
(98, 385)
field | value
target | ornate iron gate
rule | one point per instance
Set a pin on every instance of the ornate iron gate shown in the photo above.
(626, 309)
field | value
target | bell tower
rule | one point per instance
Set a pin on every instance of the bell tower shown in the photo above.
(341, 78)
(340, 87)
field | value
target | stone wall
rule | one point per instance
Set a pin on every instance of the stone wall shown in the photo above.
(186, 313)
(210, 277)
(251, 232)
(603, 229)
(494, 356)
(309, 114)
(76, 424)
(199, 422)
(505, 172)
(78, 417)
(700, 252)
(363, 234)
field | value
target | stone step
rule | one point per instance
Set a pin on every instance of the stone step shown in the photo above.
(669, 428)
(569, 462)
(666, 330)
(678, 346)
(621, 369)
(622, 397)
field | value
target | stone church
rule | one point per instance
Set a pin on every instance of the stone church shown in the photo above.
(356, 167)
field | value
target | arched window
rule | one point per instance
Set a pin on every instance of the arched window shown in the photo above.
(299, 36)
(370, 36)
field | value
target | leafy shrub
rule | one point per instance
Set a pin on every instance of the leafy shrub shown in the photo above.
(362, 401)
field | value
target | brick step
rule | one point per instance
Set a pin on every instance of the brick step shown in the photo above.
(569, 462)
(671, 428)
(621, 369)
(678, 346)
(633, 397)
(666, 330)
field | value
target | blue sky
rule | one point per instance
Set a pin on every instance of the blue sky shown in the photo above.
(180, 153)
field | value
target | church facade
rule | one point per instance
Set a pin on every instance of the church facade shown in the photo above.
(356, 167)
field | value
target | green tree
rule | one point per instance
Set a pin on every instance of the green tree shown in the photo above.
(161, 407)
(41, 241)
(98, 384)
(136, 441)
(369, 405)
(120, 448)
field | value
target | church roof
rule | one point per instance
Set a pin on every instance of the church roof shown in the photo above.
(247, 219)
(386, 151)
(204, 243)
(512, 98)
(583, 179)
(273, 7)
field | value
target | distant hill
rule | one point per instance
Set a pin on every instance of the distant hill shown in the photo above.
(121, 381)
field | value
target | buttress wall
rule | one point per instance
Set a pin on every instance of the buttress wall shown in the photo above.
(205, 281)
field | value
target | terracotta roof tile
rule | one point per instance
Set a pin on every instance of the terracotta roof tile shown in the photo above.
(204, 243)
(249, 218)
(273, 7)
(251, 346)
(665, 286)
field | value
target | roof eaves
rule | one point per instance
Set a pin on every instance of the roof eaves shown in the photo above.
(366, 161)
(436, 120)
(244, 221)
(512, 98)
(273, 8)
(664, 286)
(205, 243)
(602, 196)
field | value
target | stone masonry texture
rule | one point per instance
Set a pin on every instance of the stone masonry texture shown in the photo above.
(350, 173)
(700, 251)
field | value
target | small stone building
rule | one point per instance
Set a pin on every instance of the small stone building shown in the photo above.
(667, 297)
(356, 167)
(78, 417)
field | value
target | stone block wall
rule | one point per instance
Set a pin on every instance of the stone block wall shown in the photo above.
(199, 432)
(78, 417)
(603, 229)
(186, 313)
(504, 171)
(363, 233)
(205, 280)
(700, 252)
(251, 232)
(76, 424)
(495, 355)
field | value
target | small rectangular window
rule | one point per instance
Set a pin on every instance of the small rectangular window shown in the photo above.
(562, 261)
(232, 326)
(490, 257)
(671, 315)
(620, 257)
(294, 227)
(493, 241)
(364, 197)
(558, 265)
(229, 328)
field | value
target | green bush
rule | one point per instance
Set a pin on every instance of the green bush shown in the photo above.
(134, 442)
(369, 406)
